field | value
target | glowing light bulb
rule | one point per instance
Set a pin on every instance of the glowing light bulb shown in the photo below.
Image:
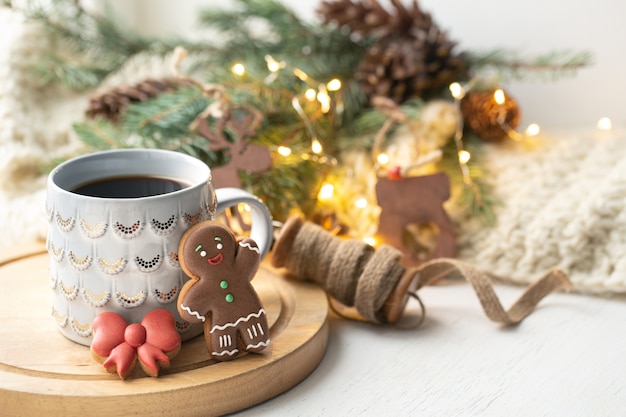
(316, 146)
(284, 150)
(326, 192)
(370, 240)
(382, 158)
(498, 96)
(604, 124)
(303, 76)
(324, 100)
(333, 85)
(533, 129)
(457, 90)
(361, 203)
(464, 156)
(272, 64)
(238, 69)
(310, 94)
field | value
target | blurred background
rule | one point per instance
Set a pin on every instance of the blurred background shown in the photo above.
(528, 27)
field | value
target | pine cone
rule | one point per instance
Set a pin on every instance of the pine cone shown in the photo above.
(359, 17)
(402, 68)
(488, 119)
(111, 104)
(413, 57)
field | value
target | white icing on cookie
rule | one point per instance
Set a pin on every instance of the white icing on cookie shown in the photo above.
(249, 246)
(192, 312)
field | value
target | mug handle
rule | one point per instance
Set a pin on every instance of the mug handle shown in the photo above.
(261, 229)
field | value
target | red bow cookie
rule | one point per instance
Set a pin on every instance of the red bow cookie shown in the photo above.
(117, 345)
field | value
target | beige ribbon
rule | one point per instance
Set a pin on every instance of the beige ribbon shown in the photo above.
(551, 281)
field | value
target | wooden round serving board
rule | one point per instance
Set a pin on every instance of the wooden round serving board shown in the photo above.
(43, 373)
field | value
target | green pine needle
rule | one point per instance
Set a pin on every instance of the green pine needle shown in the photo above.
(475, 198)
(267, 27)
(101, 134)
(75, 75)
(166, 117)
(89, 47)
(553, 65)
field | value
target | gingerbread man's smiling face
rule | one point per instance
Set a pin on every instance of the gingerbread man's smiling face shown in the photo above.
(211, 248)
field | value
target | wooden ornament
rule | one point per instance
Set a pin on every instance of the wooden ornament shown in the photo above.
(239, 124)
(415, 201)
(490, 119)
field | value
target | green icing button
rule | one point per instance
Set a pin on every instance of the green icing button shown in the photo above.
(229, 298)
(224, 285)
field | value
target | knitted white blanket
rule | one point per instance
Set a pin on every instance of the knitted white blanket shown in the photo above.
(33, 128)
(563, 201)
(563, 205)
(35, 123)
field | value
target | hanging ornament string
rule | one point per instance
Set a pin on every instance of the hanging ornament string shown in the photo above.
(395, 115)
(316, 91)
(376, 284)
(316, 146)
(219, 101)
(458, 92)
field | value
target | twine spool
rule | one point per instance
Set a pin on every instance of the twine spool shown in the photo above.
(350, 270)
(376, 283)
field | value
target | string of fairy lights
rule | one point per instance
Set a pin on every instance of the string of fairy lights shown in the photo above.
(317, 91)
(322, 93)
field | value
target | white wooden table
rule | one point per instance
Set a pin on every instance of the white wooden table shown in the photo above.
(568, 358)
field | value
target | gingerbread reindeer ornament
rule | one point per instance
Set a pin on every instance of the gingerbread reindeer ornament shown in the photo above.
(219, 293)
(231, 134)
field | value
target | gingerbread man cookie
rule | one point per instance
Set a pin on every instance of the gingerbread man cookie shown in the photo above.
(219, 293)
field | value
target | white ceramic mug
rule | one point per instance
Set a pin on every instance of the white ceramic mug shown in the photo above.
(115, 252)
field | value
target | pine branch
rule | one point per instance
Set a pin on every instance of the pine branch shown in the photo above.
(281, 22)
(89, 46)
(555, 65)
(166, 117)
(363, 130)
(73, 74)
(475, 198)
(478, 201)
(244, 9)
(162, 122)
(196, 145)
(267, 27)
(276, 99)
(290, 185)
(100, 134)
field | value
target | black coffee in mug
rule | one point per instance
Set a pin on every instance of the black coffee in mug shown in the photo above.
(130, 186)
